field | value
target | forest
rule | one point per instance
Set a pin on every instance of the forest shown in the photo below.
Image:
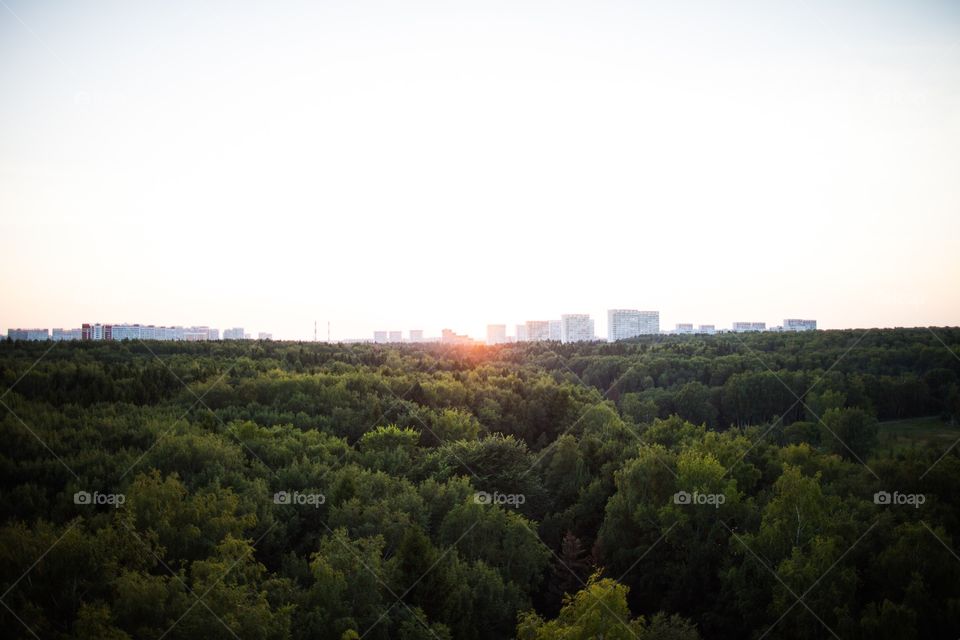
(662, 488)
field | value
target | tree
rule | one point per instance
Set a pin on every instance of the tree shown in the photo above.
(693, 404)
(850, 433)
(600, 610)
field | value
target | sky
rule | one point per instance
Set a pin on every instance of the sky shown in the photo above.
(398, 165)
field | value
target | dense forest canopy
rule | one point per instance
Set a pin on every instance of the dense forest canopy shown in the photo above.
(775, 485)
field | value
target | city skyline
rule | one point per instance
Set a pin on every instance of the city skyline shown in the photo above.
(570, 327)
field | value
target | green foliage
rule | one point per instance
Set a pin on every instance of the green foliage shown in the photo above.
(389, 448)
(600, 610)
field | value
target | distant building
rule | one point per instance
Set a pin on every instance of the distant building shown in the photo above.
(96, 331)
(263, 335)
(395, 336)
(28, 334)
(630, 323)
(743, 327)
(236, 333)
(794, 324)
(576, 327)
(196, 334)
(126, 332)
(496, 333)
(67, 334)
(380, 337)
(149, 332)
(555, 330)
(538, 330)
(449, 337)
(521, 333)
(684, 328)
(708, 329)
(416, 335)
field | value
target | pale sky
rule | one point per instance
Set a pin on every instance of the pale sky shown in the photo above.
(397, 165)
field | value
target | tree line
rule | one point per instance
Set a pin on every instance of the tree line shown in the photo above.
(665, 487)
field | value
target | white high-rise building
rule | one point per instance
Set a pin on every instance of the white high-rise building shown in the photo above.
(67, 334)
(630, 323)
(684, 328)
(28, 334)
(743, 327)
(496, 333)
(521, 332)
(708, 329)
(196, 334)
(538, 330)
(380, 337)
(236, 333)
(795, 324)
(555, 330)
(395, 336)
(576, 327)
(416, 335)
(126, 332)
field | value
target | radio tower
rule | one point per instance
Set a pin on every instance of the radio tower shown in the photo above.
(328, 332)
(314, 330)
